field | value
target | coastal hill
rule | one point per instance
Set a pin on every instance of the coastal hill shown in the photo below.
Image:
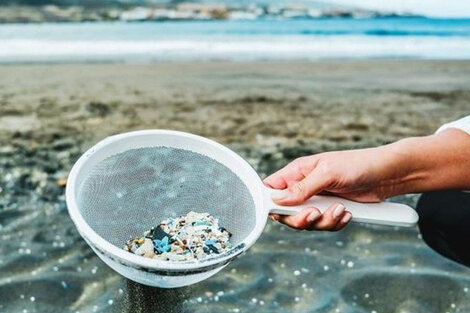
(100, 3)
(37, 11)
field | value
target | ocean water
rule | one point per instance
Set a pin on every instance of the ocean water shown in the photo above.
(237, 40)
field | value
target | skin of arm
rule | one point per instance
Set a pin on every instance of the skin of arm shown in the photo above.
(417, 164)
(440, 161)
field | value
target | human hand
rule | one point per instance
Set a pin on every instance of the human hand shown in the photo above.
(437, 162)
(359, 175)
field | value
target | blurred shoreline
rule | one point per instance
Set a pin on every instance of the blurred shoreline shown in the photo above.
(237, 40)
(184, 11)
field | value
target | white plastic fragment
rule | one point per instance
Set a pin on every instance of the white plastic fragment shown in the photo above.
(194, 236)
(146, 249)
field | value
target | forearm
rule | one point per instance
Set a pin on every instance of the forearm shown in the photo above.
(436, 162)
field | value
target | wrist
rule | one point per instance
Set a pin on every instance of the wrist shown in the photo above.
(403, 168)
(429, 163)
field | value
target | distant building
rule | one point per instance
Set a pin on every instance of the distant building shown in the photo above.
(363, 14)
(136, 14)
(56, 13)
(273, 10)
(162, 14)
(242, 15)
(201, 7)
(203, 10)
(294, 11)
(314, 13)
(337, 13)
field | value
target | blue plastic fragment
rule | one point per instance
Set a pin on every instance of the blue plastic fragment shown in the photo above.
(210, 242)
(162, 245)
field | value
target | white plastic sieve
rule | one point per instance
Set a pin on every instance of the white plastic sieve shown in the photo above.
(128, 183)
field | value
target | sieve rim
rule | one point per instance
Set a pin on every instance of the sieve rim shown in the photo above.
(93, 238)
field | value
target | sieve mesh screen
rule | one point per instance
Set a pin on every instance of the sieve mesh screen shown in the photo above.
(130, 192)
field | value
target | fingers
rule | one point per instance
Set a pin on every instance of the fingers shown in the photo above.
(275, 181)
(274, 217)
(301, 220)
(281, 179)
(344, 221)
(291, 173)
(302, 190)
(333, 219)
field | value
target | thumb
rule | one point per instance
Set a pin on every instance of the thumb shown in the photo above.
(302, 190)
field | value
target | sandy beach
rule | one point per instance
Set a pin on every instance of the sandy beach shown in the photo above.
(270, 113)
(357, 102)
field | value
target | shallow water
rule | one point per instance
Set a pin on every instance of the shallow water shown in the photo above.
(46, 267)
(362, 269)
(265, 39)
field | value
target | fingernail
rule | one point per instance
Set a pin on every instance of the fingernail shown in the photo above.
(280, 194)
(339, 210)
(274, 217)
(313, 216)
(346, 218)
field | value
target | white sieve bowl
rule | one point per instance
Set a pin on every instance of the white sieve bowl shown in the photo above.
(127, 183)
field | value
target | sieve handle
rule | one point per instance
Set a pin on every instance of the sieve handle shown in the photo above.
(384, 213)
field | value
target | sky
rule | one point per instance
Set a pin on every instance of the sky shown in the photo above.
(437, 8)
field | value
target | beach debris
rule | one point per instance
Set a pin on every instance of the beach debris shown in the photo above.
(62, 182)
(145, 248)
(194, 236)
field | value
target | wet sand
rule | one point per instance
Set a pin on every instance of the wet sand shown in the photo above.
(268, 112)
